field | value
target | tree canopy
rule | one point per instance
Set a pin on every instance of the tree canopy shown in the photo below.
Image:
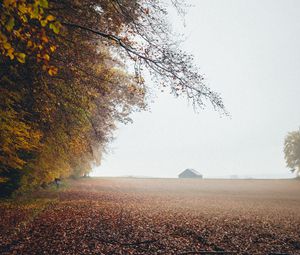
(292, 151)
(70, 70)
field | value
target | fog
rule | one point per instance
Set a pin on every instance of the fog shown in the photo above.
(249, 52)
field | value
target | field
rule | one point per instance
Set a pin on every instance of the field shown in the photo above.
(155, 216)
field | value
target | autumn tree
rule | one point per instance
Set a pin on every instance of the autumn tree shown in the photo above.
(70, 70)
(57, 124)
(145, 41)
(292, 151)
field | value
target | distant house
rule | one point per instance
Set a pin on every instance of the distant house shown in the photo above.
(190, 173)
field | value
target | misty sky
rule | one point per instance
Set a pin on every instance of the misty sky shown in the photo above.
(249, 51)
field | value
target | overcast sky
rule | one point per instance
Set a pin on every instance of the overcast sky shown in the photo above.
(249, 51)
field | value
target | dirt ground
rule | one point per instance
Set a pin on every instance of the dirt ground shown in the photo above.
(156, 216)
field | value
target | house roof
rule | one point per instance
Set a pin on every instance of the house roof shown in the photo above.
(191, 170)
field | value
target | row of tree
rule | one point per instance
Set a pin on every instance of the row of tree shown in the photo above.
(70, 70)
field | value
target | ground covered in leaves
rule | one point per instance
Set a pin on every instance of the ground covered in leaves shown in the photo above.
(155, 216)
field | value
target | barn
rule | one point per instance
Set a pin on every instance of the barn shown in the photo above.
(190, 173)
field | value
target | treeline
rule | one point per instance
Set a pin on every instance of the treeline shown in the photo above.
(69, 70)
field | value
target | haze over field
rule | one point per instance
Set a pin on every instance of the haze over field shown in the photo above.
(152, 216)
(249, 52)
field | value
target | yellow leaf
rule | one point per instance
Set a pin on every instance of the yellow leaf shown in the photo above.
(17, 33)
(45, 39)
(38, 56)
(22, 8)
(10, 53)
(6, 45)
(34, 14)
(46, 57)
(43, 3)
(52, 70)
(10, 24)
(7, 3)
(29, 44)
(55, 27)
(50, 18)
(21, 57)
(24, 18)
(44, 22)
(52, 48)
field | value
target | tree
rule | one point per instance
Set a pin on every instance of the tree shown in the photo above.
(145, 42)
(70, 70)
(57, 124)
(292, 151)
